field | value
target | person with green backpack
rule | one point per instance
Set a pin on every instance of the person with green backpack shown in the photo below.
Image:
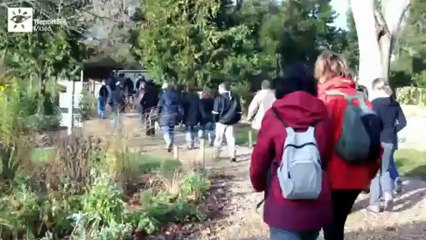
(356, 158)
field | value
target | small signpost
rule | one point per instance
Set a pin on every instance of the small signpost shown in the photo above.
(69, 103)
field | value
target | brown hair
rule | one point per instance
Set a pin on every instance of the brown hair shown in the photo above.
(330, 65)
(207, 93)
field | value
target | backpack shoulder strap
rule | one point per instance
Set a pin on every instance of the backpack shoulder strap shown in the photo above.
(348, 98)
(277, 115)
(289, 130)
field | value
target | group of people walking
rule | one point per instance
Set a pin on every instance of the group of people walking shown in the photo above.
(214, 116)
(320, 144)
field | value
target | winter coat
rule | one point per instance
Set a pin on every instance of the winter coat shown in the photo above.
(103, 91)
(227, 108)
(206, 108)
(149, 99)
(300, 110)
(342, 174)
(191, 106)
(392, 116)
(169, 108)
(261, 102)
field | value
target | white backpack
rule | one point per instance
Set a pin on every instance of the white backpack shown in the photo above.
(300, 171)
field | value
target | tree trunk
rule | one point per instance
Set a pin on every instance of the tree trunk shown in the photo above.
(376, 30)
(370, 66)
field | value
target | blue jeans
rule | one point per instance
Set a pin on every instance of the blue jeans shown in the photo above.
(102, 101)
(191, 132)
(209, 127)
(168, 135)
(279, 234)
(116, 118)
(382, 183)
(392, 168)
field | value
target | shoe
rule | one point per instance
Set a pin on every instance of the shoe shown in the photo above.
(169, 148)
(388, 201)
(398, 186)
(374, 208)
(233, 159)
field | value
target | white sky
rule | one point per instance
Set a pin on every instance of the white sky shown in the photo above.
(340, 6)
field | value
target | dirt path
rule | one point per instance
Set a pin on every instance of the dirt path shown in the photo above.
(240, 219)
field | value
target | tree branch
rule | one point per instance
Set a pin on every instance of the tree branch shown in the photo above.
(382, 27)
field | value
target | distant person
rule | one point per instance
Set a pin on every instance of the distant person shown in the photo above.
(102, 100)
(191, 115)
(148, 102)
(128, 86)
(117, 105)
(206, 120)
(357, 154)
(226, 112)
(393, 121)
(140, 81)
(169, 109)
(261, 103)
(295, 143)
(112, 81)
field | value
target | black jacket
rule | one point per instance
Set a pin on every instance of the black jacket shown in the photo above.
(103, 91)
(206, 109)
(393, 119)
(191, 106)
(227, 108)
(149, 99)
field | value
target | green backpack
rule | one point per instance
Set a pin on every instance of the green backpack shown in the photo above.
(359, 141)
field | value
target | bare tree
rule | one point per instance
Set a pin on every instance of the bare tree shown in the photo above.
(377, 24)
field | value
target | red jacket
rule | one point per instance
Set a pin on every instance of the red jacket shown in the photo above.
(343, 175)
(299, 110)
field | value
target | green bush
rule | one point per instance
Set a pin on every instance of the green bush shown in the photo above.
(88, 105)
(420, 79)
(411, 95)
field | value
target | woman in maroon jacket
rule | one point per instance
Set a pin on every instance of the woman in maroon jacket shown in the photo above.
(297, 103)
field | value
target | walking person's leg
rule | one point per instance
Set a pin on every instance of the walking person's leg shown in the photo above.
(230, 141)
(167, 137)
(201, 129)
(210, 127)
(381, 186)
(220, 132)
(172, 135)
(394, 174)
(103, 107)
(342, 201)
(99, 107)
(190, 137)
(385, 179)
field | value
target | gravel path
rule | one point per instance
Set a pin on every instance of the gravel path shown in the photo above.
(241, 221)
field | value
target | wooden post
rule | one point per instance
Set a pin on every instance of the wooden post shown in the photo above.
(250, 138)
(203, 151)
(176, 152)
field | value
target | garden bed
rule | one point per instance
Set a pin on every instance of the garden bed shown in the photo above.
(79, 190)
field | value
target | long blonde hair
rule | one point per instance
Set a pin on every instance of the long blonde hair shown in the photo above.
(330, 65)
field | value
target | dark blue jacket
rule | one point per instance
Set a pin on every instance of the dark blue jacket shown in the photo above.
(393, 119)
(191, 107)
(169, 108)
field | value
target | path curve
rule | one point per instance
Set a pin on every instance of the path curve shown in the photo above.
(243, 222)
